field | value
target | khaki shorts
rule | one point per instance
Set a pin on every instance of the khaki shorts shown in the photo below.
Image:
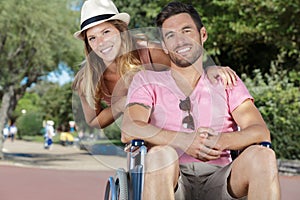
(203, 181)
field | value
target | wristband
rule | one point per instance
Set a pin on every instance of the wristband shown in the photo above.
(266, 144)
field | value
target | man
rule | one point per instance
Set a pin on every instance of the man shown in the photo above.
(190, 124)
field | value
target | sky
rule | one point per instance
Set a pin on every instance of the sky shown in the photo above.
(62, 75)
(60, 78)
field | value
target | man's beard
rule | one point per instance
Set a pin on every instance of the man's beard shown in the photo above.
(186, 62)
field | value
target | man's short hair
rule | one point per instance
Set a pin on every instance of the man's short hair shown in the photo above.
(175, 8)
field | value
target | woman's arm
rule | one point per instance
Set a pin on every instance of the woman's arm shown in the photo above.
(105, 117)
(161, 61)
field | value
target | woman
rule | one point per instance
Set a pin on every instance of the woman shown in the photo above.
(113, 56)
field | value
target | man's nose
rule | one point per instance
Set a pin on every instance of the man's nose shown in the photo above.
(180, 38)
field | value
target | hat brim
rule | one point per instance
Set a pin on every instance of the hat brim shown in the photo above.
(120, 16)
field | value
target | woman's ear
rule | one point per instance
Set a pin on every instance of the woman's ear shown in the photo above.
(203, 34)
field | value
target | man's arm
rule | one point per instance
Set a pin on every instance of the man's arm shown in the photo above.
(253, 129)
(135, 125)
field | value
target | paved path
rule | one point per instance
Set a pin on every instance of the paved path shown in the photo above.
(62, 173)
(58, 157)
(67, 173)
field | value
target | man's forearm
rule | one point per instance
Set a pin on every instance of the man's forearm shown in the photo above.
(241, 139)
(151, 134)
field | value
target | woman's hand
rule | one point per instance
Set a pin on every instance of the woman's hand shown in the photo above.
(227, 75)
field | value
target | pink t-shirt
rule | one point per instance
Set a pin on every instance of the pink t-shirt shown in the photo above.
(211, 105)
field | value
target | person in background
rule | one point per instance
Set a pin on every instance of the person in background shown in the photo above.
(13, 130)
(190, 125)
(66, 137)
(49, 134)
(5, 132)
(113, 56)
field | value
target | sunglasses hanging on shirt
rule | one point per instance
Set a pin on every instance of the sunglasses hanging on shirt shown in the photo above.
(188, 121)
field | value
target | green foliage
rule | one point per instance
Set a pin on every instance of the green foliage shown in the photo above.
(48, 101)
(247, 34)
(28, 115)
(30, 123)
(27, 103)
(243, 34)
(38, 36)
(56, 104)
(113, 131)
(277, 96)
(143, 13)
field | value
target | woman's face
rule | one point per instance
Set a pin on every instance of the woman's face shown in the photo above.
(105, 41)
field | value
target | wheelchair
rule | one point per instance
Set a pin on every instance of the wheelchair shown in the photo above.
(127, 185)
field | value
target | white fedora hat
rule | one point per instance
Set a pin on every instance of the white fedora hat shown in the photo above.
(94, 12)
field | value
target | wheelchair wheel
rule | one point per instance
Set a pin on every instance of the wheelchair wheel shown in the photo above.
(121, 185)
(110, 191)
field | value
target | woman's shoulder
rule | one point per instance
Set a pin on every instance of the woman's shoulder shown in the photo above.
(151, 54)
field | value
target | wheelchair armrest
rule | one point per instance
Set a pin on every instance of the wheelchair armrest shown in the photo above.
(136, 152)
(133, 145)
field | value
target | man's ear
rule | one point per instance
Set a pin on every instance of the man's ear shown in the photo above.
(203, 34)
(164, 47)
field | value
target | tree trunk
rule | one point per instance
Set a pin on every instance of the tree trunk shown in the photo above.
(7, 96)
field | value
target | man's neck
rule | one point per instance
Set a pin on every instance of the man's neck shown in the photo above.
(187, 78)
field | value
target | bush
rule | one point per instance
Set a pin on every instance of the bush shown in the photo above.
(30, 123)
(113, 131)
(277, 97)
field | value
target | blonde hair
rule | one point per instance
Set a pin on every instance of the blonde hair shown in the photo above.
(89, 80)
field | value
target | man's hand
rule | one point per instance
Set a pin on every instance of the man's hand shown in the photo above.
(204, 146)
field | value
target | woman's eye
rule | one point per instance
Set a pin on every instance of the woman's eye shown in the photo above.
(106, 32)
(91, 38)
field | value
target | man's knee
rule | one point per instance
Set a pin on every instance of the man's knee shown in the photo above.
(161, 157)
(261, 160)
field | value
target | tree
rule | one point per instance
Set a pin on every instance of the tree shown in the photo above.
(35, 37)
(28, 115)
(44, 101)
(56, 104)
(243, 34)
(252, 34)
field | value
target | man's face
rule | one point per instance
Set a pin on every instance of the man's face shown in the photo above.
(182, 39)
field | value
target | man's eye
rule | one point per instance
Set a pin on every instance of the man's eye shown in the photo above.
(186, 31)
(169, 36)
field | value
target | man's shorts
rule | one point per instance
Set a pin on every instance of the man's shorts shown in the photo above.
(203, 181)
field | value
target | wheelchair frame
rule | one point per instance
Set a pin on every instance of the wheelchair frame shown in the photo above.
(129, 185)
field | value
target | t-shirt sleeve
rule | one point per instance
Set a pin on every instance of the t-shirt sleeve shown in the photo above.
(237, 95)
(140, 90)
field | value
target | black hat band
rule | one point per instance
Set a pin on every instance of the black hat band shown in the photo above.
(95, 19)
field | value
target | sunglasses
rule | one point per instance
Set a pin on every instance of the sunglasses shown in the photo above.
(188, 121)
